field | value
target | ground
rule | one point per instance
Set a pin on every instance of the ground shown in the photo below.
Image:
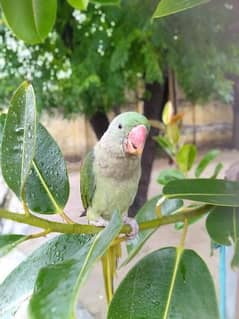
(92, 295)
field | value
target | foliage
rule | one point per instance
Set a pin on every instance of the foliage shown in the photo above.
(168, 7)
(93, 60)
(102, 58)
(183, 155)
(173, 270)
(37, 20)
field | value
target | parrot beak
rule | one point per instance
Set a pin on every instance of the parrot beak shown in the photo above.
(134, 144)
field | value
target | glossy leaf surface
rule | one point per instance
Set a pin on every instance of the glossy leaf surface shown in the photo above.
(212, 191)
(19, 135)
(20, 282)
(57, 286)
(47, 187)
(10, 241)
(168, 283)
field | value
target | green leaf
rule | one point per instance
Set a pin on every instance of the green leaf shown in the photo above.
(223, 227)
(2, 124)
(19, 135)
(217, 170)
(107, 2)
(173, 133)
(166, 145)
(10, 241)
(171, 206)
(47, 186)
(186, 157)
(209, 157)
(20, 282)
(79, 4)
(168, 283)
(167, 7)
(146, 213)
(57, 287)
(168, 175)
(192, 220)
(30, 20)
(212, 191)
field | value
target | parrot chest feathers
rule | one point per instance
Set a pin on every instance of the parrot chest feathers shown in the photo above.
(116, 180)
(116, 166)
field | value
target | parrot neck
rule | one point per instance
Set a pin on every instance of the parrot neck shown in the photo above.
(112, 161)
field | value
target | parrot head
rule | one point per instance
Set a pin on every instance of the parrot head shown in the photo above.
(127, 133)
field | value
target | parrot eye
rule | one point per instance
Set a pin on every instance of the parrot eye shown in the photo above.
(120, 126)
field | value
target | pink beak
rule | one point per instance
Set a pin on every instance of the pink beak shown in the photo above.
(134, 144)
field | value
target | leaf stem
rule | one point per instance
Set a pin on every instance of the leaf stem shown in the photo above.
(57, 227)
(66, 218)
(25, 208)
(184, 234)
(37, 235)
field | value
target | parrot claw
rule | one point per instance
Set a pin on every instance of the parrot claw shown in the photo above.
(134, 227)
(99, 222)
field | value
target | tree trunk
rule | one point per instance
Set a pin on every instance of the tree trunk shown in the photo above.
(235, 138)
(153, 108)
(99, 122)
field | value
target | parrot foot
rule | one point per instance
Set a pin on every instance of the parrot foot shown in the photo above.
(134, 227)
(99, 222)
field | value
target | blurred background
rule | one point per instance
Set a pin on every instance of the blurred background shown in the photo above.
(109, 59)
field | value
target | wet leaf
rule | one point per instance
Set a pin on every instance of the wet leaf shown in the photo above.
(166, 284)
(10, 241)
(20, 282)
(47, 186)
(18, 141)
(57, 287)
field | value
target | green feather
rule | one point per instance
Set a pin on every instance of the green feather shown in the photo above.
(87, 180)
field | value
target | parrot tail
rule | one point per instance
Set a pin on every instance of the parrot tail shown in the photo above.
(109, 266)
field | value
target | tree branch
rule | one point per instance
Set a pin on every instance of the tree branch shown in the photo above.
(57, 227)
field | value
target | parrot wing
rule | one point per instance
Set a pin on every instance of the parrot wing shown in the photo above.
(87, 180)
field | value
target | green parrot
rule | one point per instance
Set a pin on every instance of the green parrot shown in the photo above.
(110, 173)
(109, 178)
